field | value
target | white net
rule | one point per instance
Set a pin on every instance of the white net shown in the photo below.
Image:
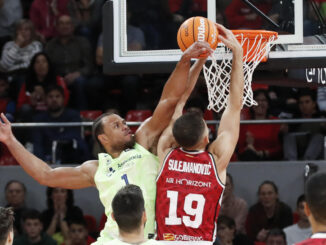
(218, 74)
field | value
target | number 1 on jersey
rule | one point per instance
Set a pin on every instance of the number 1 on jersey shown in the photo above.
(173, 219)
(125, 178)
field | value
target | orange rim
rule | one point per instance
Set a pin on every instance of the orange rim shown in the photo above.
(253, 33)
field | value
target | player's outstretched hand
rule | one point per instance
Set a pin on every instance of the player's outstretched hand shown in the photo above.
(5, 129)
(199, 50)
(228, 38)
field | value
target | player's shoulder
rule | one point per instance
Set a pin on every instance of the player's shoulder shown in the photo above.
(90, 167)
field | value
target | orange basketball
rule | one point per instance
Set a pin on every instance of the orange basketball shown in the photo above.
(197, 29)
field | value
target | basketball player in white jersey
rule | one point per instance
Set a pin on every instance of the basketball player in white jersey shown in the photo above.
(191, 181)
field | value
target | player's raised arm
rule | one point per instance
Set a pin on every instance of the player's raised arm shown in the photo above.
(64, 177)
(167, 141)
(172, 92)
(228, 132)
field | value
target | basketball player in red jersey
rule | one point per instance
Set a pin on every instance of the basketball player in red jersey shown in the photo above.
(191, 181)
(315, 208)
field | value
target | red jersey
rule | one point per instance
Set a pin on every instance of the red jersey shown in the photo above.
(189, 195)
(316, 239)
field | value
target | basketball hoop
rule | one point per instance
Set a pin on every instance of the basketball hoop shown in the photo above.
(256, 45)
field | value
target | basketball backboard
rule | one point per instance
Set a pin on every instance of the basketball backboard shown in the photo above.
(153, 25)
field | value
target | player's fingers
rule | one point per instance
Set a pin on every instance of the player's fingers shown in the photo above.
(224, 39)
(222, 30)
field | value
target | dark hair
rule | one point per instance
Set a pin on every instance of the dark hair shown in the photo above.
(31, 77)
(315, 193)
(128, 207)
(307, 92)
(31, 214)
(225, 220)
(15, 181)
(188, 129)
(268, 182)
(97, 127)
(6, 223)
(276, 232)
(69, 201)
(54, 87)
(78, 221)
(300, 199)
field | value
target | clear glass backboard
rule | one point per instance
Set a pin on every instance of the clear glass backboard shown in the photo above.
(140, 36)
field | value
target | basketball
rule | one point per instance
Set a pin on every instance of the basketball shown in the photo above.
(197, 29)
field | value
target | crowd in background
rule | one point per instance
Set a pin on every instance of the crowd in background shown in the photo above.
(51, 71)
(63, 222)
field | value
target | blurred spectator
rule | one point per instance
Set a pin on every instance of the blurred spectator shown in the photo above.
(302, 230)
(87, 17)
(305, 141)
(240, 16)
(262, 141)
(40, 75)
(156, 21)
(233, 206)
(16, 54)
(226, 233)
(71, 57)
(276, 237)
(60, 212)
(109, 89)
(15, 195)
(33, 230)
(7, 105)
(187, 9)
(10, 13)
(78, 234)
(45, 13)
(269, 212)
(283, 100)
(62, 143)
(6, 226)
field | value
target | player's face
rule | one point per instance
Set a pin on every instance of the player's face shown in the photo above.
(267, 196)
(117, 131)
(33, 228)
(275, 240)
(15, 195)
